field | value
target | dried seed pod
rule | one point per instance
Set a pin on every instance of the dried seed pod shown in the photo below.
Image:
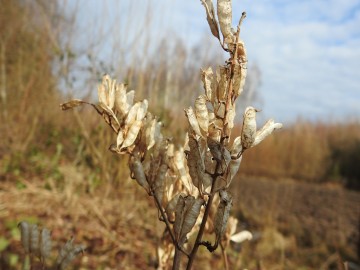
(222, 214)
(25, 230)
(45, 244)
(186, 214)
(240, 73)
(210, 17)
(230, 116)
(179, 160)
(248, 132)
(171, 206)
(141, 112)
(224, 12)
(233, 168)
(193, 121)
(102, 93)
(192, 211)
(119, 139)
(123, 100)
(222, 78)
(34, 239)
(215, 149)
(236, 147)
(207, 77)
(266, 130)
(202, 113)
(67, 254)
(110, 86)
(72, 104)
(214, 132)
(171, 150)
(131, 117)
(219, 109)
(241, 53)
(179, 216)
(137, 170)
(150, 134)
(195, 163)
(241, 236)
(158, 185)
(132, 134)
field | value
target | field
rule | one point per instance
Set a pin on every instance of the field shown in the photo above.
(296, 225)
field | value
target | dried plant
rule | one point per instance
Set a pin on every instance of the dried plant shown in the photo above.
(190, 185)
(38, 243)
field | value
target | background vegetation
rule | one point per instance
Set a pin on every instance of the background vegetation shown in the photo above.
(297, 191)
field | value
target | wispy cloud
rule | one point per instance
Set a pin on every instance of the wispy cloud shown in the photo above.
(308, 51)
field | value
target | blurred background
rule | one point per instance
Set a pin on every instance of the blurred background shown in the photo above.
(298, 192)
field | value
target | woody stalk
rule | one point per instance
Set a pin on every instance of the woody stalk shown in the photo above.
(189, 183)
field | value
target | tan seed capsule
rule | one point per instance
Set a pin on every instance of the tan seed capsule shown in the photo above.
(207, 77)
(193, 121)
(138, 171)
(210, 17)
(266, 130)
(202, 113)
(224, 11)
(248, 132)
(132, 134)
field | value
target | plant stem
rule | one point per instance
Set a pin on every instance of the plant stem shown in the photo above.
(177, 259)
(204, 220)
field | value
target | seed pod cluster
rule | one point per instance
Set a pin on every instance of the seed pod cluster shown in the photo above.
(35, 241)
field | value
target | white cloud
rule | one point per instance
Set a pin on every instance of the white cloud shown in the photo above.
(308, 51)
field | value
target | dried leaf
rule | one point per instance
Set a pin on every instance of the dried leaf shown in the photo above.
(193, 121)
(224, 12)
(248, 132)
(266, 130)
(202, 113)
(132, 134)
(72, 104)
(210, 17)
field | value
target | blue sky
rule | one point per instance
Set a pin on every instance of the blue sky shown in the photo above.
(308, 51)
